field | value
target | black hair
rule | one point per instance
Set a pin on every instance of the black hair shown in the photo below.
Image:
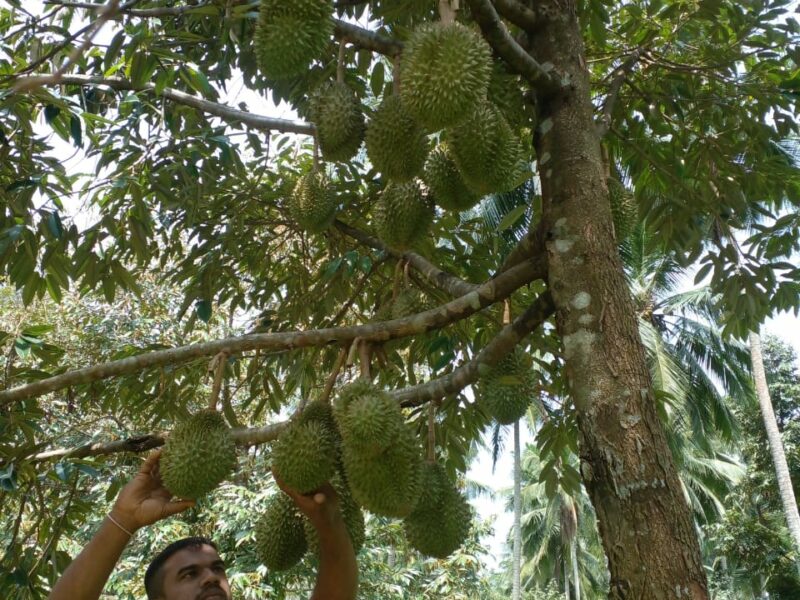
(152, 583)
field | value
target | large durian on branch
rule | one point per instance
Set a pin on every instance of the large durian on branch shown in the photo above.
(624, 210)
(198, 455)
(290, 35)
(396, 143)
(403, 215)
(369, 420)
(441, 521)
(304, 456)
(488, 154)
(508, 388)
(339, 118)
(445, 71)
(312, 204)
(280, 535)
(444, 180)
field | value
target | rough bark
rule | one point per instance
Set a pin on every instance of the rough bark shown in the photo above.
(775, 441)
(644, 520)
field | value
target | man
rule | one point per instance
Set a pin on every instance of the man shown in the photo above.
(191, 569)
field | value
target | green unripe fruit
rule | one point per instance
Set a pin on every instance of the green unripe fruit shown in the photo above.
(396, 143)
(445, 182)
(351, 515)
(489, 156)
(505, 92)
(198, 455)
(339, 118)
(312, 204)
(445, 73)
(624, 211)
(369, 419)
(310, 10)
(508, 388)
(280, 535)
(441, 520)
(304, 456)
(402, 215)
(409, 302)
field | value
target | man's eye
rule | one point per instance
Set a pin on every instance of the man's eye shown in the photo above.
(188, 574)
(219, 569)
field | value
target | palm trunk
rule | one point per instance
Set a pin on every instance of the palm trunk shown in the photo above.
(516, 567)
(566, 579)
(775, 442)
(573, 555)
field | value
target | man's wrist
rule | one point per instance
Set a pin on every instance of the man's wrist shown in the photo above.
(122, 522)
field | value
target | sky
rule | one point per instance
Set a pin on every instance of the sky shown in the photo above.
(500, 478)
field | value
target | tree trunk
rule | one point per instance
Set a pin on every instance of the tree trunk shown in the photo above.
(573, 556)
(516, 568)
(644, 521)
(566, 579)
(775, 441)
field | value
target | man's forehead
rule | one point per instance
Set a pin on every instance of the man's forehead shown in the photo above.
(201, 554)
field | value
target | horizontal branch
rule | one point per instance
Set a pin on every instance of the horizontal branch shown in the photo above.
(166, 11)
(530, 246)
(519, 14)
(441, 279)
(227, 113)
(462, 307)
(515, 56)
(489, 355)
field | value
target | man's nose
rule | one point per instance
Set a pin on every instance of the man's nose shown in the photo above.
(210, 577)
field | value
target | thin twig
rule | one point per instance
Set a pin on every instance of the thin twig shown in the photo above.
(217, 367)
(331, 381)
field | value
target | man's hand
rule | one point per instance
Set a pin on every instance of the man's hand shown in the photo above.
(145, 500)
(321, 507)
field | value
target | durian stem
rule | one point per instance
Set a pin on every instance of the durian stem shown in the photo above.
(218, 367)
(340, 359)
(365, 357)
(447, 11)
(340, 62)
(396, 75)
(316, 152)
(431, 432)
(506, 312)
(406, 276)
(398, 275)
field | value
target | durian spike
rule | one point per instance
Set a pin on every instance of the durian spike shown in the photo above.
(340, 360)
(216, 366)
(340, 62)
(447, 11)
(431, 431)
(506, 312)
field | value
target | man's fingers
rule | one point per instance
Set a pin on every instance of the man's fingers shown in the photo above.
(173, 508)
(150, 462)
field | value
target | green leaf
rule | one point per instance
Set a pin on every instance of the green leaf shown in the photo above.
(512, 217)
(51, 113)
(112, 52)
(75, 130)
(203, 309)
(376, 79)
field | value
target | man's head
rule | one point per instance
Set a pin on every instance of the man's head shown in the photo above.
(189, 569)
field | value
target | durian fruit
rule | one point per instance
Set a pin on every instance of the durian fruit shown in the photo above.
(441, 520)
(624, 211)
(445, 182)
(280, 535)
(312, 204)
(304, 456)
(508, 388)
(409, 301)
(506, 94)
(351, 514)
(198, 454)
(339, 119)
(369, 420)
(388, 483)
(445, 72)
(290, 35)
(489, 156)
(396, 143)
(402, 215)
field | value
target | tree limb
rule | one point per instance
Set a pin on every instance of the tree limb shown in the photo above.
(492, 353)
(441, 279)
(532, 245)
(485, 295)
(622, 73)
(214, 108)
(495, 32)
(136, 12)
(516, 12)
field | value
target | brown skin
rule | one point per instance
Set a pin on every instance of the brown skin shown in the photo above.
(198, 573)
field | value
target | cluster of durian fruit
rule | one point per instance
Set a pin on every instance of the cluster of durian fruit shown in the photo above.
(449, 90)
(364, 447)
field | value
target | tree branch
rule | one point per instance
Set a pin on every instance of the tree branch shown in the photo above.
(613, 91)
(492, 353)
(136, 12)
(220, 110)
(485, 295)
(441, 279)
(495, 32)
(519, 14)
(530, 246)
(364, 38)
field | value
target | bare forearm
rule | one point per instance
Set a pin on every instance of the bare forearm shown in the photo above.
(86, 576)
(338, 572)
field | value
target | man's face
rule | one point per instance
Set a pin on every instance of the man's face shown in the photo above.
(195, 573)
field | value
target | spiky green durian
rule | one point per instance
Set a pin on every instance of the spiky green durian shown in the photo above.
(403, 215)
(280, 535)
(312, 204)
(445, 73)
(489, 156)
(339, 118)
(304, 456)
(409, 301)
(505, 92)
(624, 211)
(287, 41)
(388, 483)
(441, 520)
(351, 515)
(396, 143)
(448, 189)
(198, 454)
(508, 388)
(369, 419)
